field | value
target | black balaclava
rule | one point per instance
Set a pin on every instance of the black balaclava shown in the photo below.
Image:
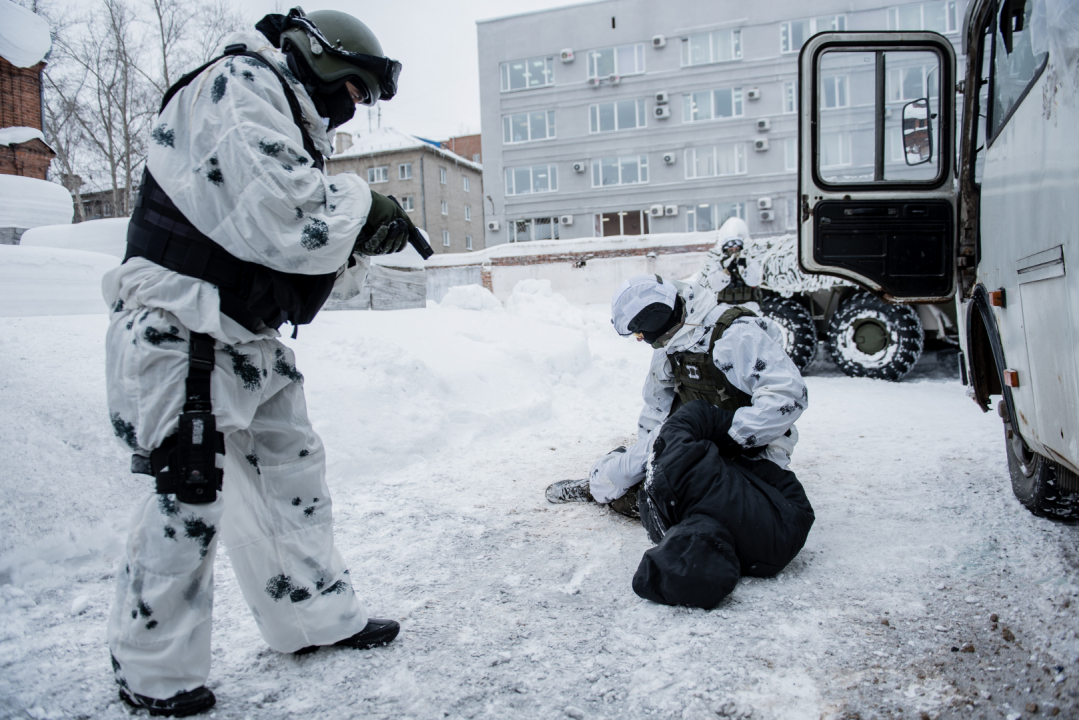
(335, 105)
(656, 320)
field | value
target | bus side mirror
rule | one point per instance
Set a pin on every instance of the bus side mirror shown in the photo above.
(917, 132)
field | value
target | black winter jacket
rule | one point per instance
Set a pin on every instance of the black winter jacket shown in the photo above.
(714, 516)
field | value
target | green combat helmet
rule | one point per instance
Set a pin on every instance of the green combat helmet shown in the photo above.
(336, 48)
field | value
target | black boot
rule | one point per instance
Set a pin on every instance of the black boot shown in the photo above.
(181, 704)
(374, 633)
(627, 504)
(567, 491)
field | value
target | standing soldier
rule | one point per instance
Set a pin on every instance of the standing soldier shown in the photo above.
(236, 230)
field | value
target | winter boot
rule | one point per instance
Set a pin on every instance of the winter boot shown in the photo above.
(181, 704)
(374, 634)
(627, 504)
(567, 491)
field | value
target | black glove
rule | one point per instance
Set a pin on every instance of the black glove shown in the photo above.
(387, 228)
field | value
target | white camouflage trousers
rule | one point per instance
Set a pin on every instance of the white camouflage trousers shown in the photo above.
(274, 513)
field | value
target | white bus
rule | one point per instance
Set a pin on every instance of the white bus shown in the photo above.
(884, 204)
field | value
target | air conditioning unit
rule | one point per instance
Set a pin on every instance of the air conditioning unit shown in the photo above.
(764, 203)
(580, 166)
(594, 82)
(760, 144)
(565, 220)
(764, 125)
(659, 41)
(614, 79)
(492, 225)
(670, 210)
(566, 55)
(753, 94)
(661, 111)
(662, 98)
(670, 158)
(655, 211)
(767, 216)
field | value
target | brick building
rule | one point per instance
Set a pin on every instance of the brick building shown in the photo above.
(467, 146)
(441, 191)
(21, 106)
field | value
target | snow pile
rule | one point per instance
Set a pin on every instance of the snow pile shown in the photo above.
(29, 202)
(470, 297)
(535, 299)
(107, 236)
(17, 134)
(51, 281)
(24, 36)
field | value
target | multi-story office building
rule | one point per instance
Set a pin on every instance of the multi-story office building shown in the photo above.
(630, 116)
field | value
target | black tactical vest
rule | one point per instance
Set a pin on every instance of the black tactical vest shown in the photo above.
(697, 376)
(251, 294)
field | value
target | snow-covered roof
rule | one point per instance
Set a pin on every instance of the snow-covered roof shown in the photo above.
(29, 202)
(576, 245)
(370, 142)
(24, 36)
(19, 134)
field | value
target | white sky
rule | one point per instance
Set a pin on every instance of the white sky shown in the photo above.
(435, 41)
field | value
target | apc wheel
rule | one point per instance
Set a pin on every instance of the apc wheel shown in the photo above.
(796, 324)
(1044, 487)
(868, 337)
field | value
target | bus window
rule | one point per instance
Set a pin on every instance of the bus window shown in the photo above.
(1013, 72)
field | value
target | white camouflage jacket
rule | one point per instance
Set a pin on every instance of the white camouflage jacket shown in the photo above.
(750, 353)
(228, 153)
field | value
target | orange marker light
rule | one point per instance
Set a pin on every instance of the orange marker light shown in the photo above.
(997, 298)
(1011, 378)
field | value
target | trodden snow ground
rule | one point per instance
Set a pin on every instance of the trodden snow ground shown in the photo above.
(443, 426)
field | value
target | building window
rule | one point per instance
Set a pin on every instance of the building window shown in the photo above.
(793, 34)
(895, 146)
(909, 83)
(406, 203)
(445, 238)
(527, 74)
(528, 127)
(936, 16)
(718, 46)
(378, 174)
(465, 183)
(532, 179)
(468, 242)
(790, 154)
(622, 115)
(626, 222)
(442, 175)
(706, 217)
(624, 60)
(716, 161)
(468, 213)
(545, 228)
(475, 157)
(834, 91)
(835, 150)
(626, 170)
(404, 171)
(790, 97)
(712, 104)
(445, 206)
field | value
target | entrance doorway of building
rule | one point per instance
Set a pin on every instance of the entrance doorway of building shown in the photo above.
(625, 222)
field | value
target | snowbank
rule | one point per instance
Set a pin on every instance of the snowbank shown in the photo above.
(51, 281)
(24, 36)
(16, 135)
(29, 202)
(471, 297)
(100, 236)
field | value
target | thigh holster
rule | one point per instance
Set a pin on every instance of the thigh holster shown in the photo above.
(185, 464)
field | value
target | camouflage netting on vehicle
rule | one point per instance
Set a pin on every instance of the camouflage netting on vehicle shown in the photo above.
(778, 258)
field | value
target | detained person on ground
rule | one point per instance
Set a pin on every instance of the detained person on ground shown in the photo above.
(708, 474)
(237, 229)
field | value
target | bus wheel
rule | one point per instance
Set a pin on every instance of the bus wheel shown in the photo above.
(868, 337)
(1043, 486)
(796, 325)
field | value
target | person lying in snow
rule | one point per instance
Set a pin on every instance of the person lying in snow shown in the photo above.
(703, 350)
(236, 230)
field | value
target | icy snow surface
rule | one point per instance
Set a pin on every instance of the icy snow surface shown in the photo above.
(15, 135)
(443, 426)
(51, 281)
(28, 202)
(24, 36)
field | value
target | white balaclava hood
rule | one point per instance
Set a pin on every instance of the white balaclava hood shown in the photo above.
(635, 295)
